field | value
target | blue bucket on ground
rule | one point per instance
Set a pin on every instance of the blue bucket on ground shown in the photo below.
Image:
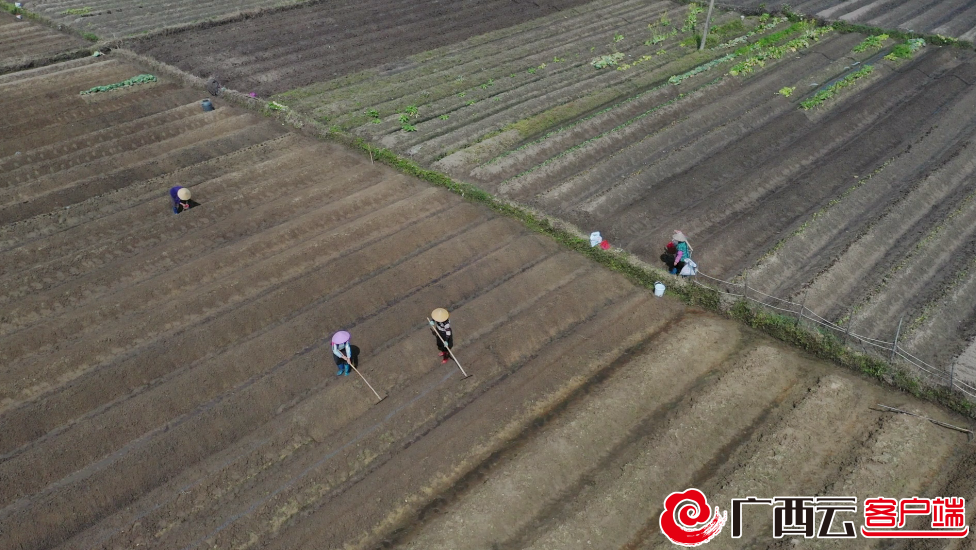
(207, 105)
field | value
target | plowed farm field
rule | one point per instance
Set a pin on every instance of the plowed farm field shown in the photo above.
(954, 18)
(825, 167)
(166, 380)
(284, 50)
(24, 43)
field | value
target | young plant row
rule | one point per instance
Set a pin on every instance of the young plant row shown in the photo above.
(140, 79)
(827, 93)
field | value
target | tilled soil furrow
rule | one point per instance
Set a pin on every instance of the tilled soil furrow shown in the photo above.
(797, 451)
(771, 208)
(605, 146)
(947, 252)
(176, 154)
(119, 373)
(234, 278)
(663, 460)
(660, 146)
(35, 196)
(109, 142)
(128, 107)
(64, 110)
(489, 60)
(121, 214)
(209, 414)
(510, 279)
(904, 455)
(409, 480)
(510, 99)
(457, 20)
(803, 255)
(612, 417)
(160, 241)
(739, 175)
(51, 82)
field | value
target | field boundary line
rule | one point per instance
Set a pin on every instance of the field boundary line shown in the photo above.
(785, 327)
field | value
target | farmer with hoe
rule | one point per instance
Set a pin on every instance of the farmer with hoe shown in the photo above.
(181, 198)
(342, 352)
(442, 333)
(677, 252)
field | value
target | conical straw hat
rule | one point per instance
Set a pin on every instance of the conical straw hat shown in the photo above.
(440, 315)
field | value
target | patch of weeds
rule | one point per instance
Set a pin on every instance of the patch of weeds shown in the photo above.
(511, 75)
(831, 91)
(906, 50)
(660, 52)
(658, 38)
(486, 85)
(617, 38)
(444, 117)
(373, 113)
(678, 78)
(607, 60)
(557, 59)
(275, 106)
(664, 21)
(471, 102)
(871, 43)
(786, 91)
(691, 21)
(77, 11)
(461, 94)
(90, 36)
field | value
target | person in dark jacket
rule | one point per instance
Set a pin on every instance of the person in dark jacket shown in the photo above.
(181, 198)
(444, 334)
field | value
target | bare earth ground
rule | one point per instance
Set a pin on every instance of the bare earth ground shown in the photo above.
(280, 51)
(109, 19)
(955, 18)
(863, 205)
(167, 380)
(24, 43)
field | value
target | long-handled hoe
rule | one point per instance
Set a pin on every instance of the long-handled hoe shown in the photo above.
(431, 323)
(349, 361)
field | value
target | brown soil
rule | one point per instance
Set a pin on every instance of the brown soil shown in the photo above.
(955, 18)
(284, 50)
(25, 44)
(167, 380)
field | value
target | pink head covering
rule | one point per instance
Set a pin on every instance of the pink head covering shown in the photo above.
(340, 337)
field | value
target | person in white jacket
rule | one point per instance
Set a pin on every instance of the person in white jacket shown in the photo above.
(342, 352)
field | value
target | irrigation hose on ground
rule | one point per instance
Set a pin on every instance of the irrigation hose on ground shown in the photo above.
(969, 433)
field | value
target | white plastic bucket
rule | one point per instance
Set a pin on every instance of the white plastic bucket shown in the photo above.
(659, 289)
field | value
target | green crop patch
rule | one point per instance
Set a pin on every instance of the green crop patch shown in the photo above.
(140, 79)
(826, 94)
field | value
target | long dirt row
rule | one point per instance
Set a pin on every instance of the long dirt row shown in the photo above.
(285, 50)
(673, 139)
(166, 380)
(24, 43)
(953, 18)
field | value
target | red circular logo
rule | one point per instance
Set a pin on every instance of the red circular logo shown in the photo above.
(691, 510)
